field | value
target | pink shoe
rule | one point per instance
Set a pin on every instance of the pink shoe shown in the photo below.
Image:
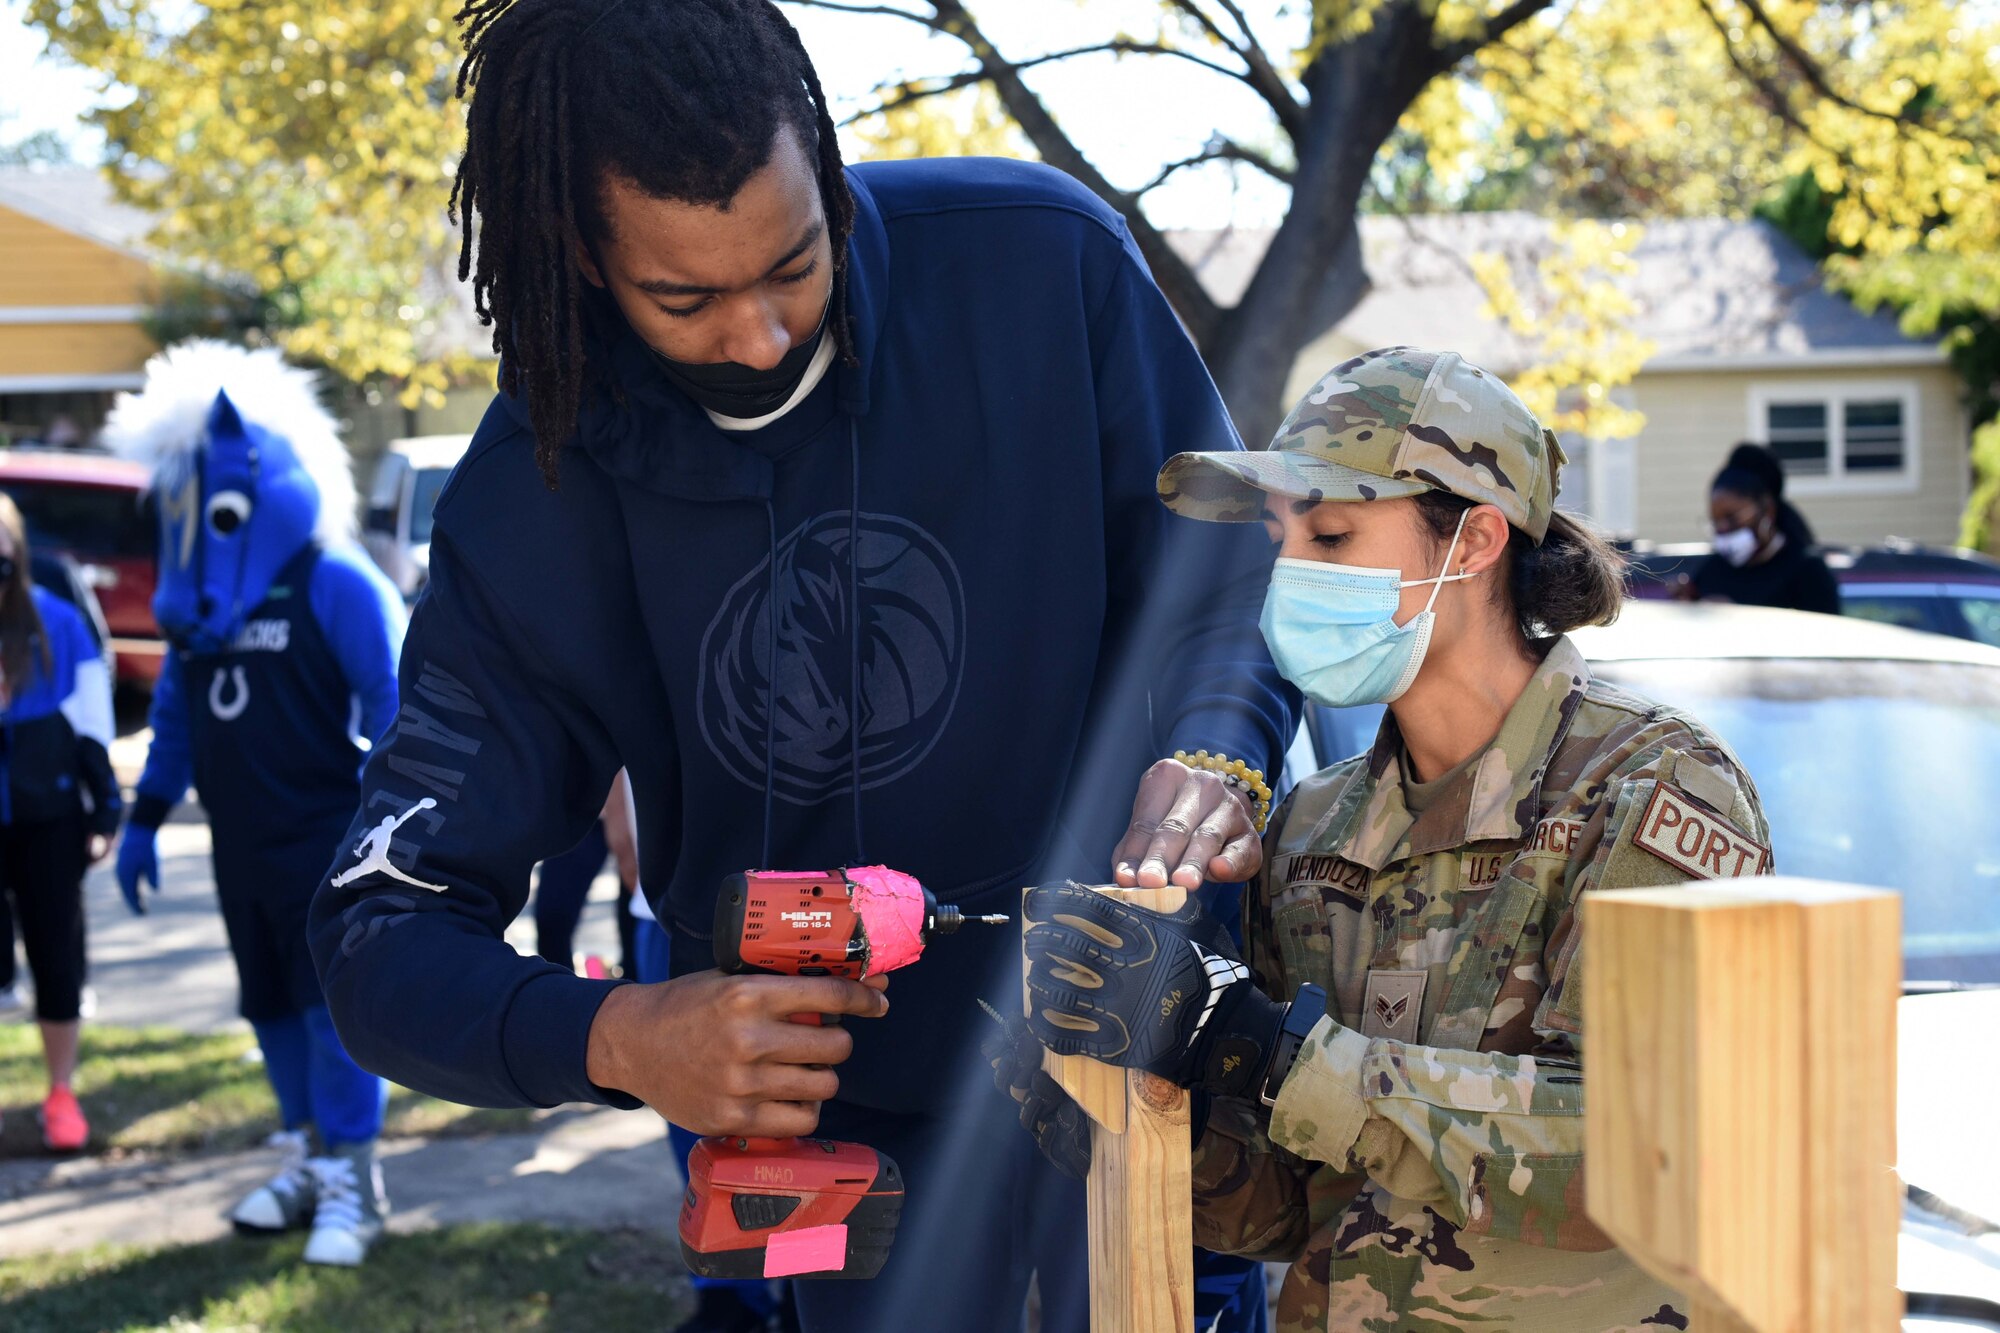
(63, 1127)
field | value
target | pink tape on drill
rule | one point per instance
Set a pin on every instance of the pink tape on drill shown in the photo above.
(891, 905)
(809, 1250)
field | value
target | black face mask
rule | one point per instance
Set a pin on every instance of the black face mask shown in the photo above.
(730, 389)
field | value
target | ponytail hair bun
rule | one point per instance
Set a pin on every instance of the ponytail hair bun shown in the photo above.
(1571, 578)
(1753, 471)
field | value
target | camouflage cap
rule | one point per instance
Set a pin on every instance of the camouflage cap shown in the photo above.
(1392, 422)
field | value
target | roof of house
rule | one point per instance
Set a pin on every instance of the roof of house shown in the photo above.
(78, 200)
(1711, 292)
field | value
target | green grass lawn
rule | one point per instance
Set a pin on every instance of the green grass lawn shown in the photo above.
(489, 1278)
(161, 1090)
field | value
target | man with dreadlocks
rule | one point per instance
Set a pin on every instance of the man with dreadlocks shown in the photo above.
(822, 501)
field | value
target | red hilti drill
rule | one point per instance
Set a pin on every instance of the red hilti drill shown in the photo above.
(795, 1207)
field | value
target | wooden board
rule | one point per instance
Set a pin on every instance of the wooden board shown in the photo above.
(1141, 1185)
(1740, 1133)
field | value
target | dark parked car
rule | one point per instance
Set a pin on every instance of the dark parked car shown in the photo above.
(1942, 590)
(91, 507)
(65, 578)
(1877, 754)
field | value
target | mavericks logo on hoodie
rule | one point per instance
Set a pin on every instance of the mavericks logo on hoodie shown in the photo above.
(908, 633)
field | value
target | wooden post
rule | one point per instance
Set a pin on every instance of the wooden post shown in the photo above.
(1740, 1130)
(1141, 1185)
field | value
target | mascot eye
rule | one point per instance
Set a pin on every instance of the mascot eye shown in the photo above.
(228, 512)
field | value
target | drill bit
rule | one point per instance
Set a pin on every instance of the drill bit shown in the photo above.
(947, 920)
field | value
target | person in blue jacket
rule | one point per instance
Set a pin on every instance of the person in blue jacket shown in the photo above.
(821, 501)
(59, 804)
(284, 640)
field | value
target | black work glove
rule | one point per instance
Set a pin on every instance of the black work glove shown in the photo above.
(1146, 990)
(1061, 1129)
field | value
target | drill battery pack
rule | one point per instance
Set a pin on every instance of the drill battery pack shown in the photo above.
(760, 1207)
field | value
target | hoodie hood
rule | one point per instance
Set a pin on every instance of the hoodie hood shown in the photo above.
(660, 439)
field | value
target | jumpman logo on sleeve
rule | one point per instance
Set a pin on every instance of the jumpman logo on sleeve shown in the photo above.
(373, 849)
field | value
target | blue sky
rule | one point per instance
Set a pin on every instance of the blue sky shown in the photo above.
(1130, 116)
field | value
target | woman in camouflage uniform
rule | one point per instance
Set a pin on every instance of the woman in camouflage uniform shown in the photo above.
(1396, 1094)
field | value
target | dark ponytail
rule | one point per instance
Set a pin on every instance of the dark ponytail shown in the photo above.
(1572, 579)
(1756, 473)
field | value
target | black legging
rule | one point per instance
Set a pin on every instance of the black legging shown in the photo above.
(6, 944)
(41, 872)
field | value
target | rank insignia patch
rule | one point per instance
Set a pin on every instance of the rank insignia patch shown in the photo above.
(1393, 1004)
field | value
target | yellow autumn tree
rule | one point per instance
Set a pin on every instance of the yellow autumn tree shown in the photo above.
(305, 148)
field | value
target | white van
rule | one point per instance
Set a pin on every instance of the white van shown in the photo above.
(397, 527)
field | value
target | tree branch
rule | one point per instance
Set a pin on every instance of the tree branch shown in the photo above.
(1774, 96)
(1173, 273)
(907, 93)
(887, 11)
(1259, 72)
(913, 92)
(1508, 19)
(1219, 150)
(1235, 11)
(1809, 70)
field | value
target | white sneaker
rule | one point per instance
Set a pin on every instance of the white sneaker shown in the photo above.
(12, 1000)
(285, 1201)
(352, 1204)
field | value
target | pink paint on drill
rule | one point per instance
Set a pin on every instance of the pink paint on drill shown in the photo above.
(794, 874)
(808, 1250)
(891, 905)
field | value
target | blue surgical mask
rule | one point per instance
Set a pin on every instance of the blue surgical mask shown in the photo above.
(1332, 629)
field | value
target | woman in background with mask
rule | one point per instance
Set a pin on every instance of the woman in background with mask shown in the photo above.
(1763, 545)
(1395, 1080)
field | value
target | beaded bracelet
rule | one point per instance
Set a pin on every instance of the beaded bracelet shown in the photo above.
(1237, 774)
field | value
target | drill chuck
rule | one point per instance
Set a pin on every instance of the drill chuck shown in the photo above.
(947, 920)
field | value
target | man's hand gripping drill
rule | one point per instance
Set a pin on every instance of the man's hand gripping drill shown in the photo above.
(777, 1207)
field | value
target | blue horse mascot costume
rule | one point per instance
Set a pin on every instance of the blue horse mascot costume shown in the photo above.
(284, 641)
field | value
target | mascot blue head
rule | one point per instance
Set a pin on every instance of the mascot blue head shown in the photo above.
(247, 472)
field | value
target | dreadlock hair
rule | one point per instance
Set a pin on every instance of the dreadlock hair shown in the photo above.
(682, 98)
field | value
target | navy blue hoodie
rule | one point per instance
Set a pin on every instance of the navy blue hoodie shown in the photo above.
(987, 626)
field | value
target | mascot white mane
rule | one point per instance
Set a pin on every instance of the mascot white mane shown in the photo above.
(163, 425)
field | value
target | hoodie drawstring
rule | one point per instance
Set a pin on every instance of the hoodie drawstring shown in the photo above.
(854, 634)
(854, 691)
(770, 681)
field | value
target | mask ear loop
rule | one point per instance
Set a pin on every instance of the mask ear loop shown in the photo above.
(1425, 618)
(1443, 579)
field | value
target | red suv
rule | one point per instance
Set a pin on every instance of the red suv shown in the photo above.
(92, 507)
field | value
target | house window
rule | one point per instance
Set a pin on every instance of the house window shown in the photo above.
(1874, 435)
(1835, 436)
(1797, 434)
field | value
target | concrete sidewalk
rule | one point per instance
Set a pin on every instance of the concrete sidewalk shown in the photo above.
(171, 967)
(580, 1167)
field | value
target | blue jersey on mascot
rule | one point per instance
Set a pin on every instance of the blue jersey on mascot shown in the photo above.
(284, 639)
